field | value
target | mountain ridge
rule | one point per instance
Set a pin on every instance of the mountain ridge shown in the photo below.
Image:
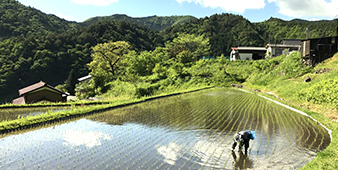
(157, 23)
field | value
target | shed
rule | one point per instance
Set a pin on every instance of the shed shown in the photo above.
(316, 50)
(247, 53)
(39, 92)
(279, 49)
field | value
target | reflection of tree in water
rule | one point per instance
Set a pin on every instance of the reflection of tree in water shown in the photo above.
(241, 162)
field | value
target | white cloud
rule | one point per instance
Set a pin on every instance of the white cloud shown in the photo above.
(89, 139)
(307, 8)
(170, 152)
(66, 17)
(229, 5)
(314, 19)
(95, 2)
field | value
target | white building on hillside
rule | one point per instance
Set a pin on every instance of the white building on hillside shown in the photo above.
(247, 53)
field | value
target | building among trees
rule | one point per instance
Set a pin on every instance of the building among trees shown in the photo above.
(269, 51)
(316, 50)
(39, 92)
(247, 53)
(289, 45)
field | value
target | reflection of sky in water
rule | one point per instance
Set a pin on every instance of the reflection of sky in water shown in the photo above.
(160, 138)
(87, 144)
(89, 139)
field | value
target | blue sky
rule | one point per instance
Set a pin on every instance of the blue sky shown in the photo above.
(253, 10)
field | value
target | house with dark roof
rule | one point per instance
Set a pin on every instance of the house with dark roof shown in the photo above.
(39, 92)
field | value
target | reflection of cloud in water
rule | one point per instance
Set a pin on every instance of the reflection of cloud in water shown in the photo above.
(170, 152)
(210, 153)
(204, 152)
(89, 139)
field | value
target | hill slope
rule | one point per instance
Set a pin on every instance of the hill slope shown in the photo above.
(26, 60)
(227, 30)
(295, 29)
(223, 30)
(17, 19)
(153, 22)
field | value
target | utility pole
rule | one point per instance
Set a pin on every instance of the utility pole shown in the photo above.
(307, 32)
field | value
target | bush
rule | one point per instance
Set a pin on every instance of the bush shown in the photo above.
(322, 92)
(292, 66)
(146, 90)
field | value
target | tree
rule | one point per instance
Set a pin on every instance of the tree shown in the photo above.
(107, 57)
(71, 82)
(188, 47)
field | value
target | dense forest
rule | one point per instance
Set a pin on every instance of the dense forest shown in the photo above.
(155, 23)
(226, 30)
(26, 60)
(35, 46)
(17, 19)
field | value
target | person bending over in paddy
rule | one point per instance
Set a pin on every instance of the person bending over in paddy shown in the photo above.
(243, 138)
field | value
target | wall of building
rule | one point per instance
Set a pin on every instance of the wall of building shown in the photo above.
(44, 94)
(245, 56)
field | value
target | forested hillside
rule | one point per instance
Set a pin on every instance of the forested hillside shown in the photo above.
(35, 46)
(153, 22)
(226, 30)
(27, 60)
(17, 19)
(276, 29)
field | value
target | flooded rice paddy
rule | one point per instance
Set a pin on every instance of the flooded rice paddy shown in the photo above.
(190, 131)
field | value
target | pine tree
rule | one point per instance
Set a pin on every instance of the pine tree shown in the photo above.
(70, 82)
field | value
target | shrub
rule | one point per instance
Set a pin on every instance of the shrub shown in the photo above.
(322, 92)
(146, 90)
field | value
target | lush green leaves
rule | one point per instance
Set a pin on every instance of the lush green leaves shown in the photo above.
(324, 92)
(17, 20)
(155, 23)
(26, 60)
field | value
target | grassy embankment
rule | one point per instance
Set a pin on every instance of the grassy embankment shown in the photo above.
(317, 98)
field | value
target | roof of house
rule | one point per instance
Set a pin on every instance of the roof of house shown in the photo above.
(249, 48)
(320, 38)
(84, 78)
(283, 45)
(37, 86)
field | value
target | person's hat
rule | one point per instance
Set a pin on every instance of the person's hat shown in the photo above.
(253, 134)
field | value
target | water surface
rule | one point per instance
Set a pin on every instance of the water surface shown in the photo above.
(190, 131)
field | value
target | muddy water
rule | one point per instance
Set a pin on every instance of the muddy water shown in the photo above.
(180, 132)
